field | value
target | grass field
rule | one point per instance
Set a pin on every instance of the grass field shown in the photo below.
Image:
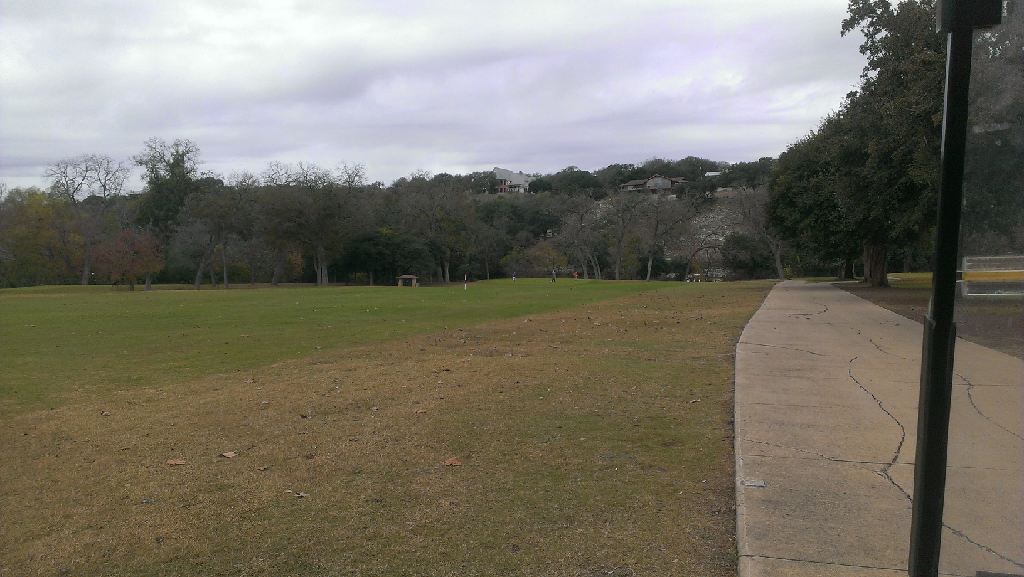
(581, 428)
(58, 340)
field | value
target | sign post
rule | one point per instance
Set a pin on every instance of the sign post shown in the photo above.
(958, 19)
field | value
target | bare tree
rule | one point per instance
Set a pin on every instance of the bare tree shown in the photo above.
(663, 219)
(624, 215)
(580, 233)
(352, 176)
(89, 183)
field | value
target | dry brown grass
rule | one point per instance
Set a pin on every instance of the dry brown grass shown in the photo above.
(595, 440)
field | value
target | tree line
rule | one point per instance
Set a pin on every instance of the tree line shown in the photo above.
(304, 223)
(862, 189)
(856, 194)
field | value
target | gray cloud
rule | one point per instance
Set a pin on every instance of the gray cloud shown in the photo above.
(399, 85)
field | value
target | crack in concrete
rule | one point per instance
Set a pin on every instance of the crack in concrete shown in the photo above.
(780, 347)
(959, 533)
(872, 341)
(970, 397)
(831, 563)
(799, 450)
(884, 473)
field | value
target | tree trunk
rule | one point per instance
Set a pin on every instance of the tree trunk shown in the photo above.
(650, 262)
(906, 261)
(131, 284)
(847, 270)
(371, 278)
(282, 256)
(597, 267)
(213, 279)
(875, 256)
(149, 281)
(86, 266)
(776, 246)
(199, 274)
(320, 264)
(447, 272)
(224, 262)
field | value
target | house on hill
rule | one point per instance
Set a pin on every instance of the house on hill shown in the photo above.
(656, 184)
(509, 181)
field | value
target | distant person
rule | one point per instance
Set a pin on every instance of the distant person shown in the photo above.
(513, 276)
(575, 275)
(552, 275)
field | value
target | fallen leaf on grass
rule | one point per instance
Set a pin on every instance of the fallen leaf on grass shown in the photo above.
(229, 454)
(418, 411)
(303, 432)
(301, 495)
(695, 401)
(453, 462)
(261, 468)
(175, 462)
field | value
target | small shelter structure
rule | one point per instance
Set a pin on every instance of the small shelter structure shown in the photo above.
(408, 280)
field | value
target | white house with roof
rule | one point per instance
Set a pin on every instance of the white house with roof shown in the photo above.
(509, 181)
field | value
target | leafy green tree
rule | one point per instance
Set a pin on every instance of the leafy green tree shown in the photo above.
(888, 163)
(572, 180)
(540, 185)
(37, 241)
(211, 218)
(306, 204)
(489, 245)
(873, 166)
(748, 256)
(171, 172)
(385, 254)
(802, 204)
(437, 210)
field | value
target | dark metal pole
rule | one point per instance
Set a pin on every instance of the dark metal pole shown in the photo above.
(939, 329)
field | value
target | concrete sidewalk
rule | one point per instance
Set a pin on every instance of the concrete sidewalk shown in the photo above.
(826, 417)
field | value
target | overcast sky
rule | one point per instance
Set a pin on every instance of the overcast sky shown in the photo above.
(401, 85)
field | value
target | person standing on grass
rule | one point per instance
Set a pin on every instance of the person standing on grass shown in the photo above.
(513, 276)
(552, 275)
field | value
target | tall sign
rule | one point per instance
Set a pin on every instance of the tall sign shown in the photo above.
(957, 19)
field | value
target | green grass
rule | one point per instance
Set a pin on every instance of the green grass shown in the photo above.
(59, 339)
(593, 440)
